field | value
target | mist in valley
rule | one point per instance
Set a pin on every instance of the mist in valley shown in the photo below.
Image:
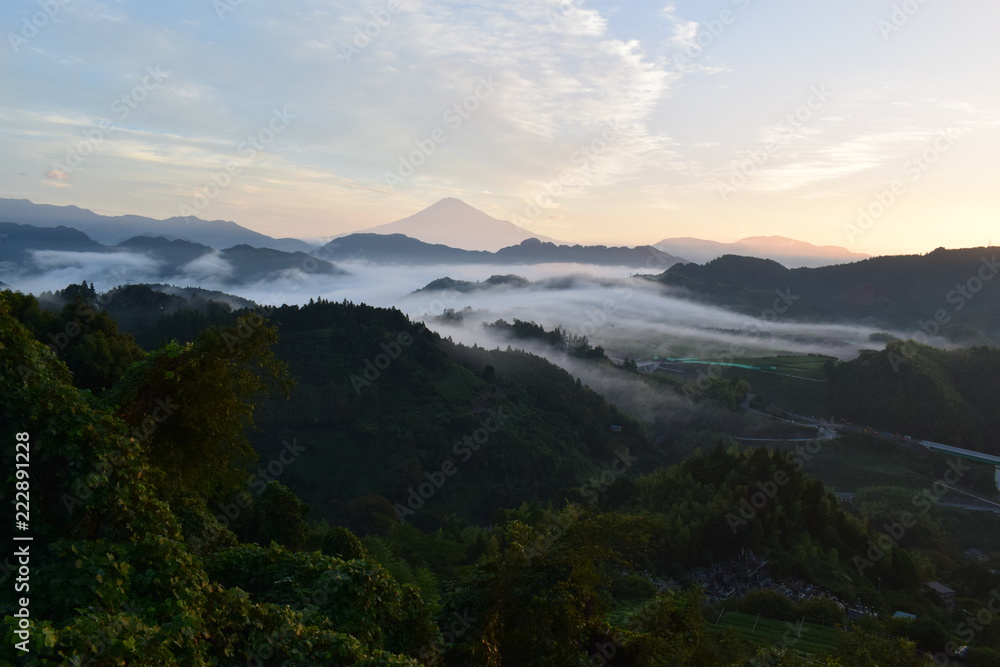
(626, 314)
(614, 307)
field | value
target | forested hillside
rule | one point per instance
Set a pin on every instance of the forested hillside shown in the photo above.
(118, 573)
(462, 507)
(904, 291)
(947, 396)
(382, 406)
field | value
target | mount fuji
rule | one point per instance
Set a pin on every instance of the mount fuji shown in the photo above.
(454, 223)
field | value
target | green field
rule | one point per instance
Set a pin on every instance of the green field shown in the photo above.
(802, 365)
(813, 638)
(795, 383)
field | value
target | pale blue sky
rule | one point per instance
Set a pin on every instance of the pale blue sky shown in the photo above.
(138, 107)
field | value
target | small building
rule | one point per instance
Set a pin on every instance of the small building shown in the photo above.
(947, 595)
(976, 555)
(903, 614)
(616, 429)
(847, 498)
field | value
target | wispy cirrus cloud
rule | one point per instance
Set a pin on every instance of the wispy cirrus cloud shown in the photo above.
(367, 83)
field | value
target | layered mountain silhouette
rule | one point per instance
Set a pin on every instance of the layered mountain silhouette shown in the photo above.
(400, 249)
(955, 293)
(110, 230)
(27, 250)
(785, 251)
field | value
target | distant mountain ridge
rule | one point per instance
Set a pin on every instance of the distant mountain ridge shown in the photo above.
(454, 223)
(400, 249)
(27, 250)
(110, 230)
(787, 252)
(935, 293)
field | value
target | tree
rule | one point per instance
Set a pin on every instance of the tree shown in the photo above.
(116, 583)
(276, 516)
(371, 514)
(864, 648)
(190, 405)
(102, 354)
(543, 597)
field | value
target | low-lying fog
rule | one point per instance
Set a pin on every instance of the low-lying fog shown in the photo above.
(627, 316)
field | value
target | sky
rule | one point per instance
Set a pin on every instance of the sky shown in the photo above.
(868, 124)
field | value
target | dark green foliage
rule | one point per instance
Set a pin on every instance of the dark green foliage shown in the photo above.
(542, 598)
(727, 393)
(112, 578)
(980, 656)
(863, 648)
(190, 405)
(945, 396)
(713, 505)
(370, 514)
(575, 345)
(277, 515)
(928, 634)
(899, 292)
(769, 604)
(381, 403)
(203, 533)
(156, 314)
(86, 339)
(672, 625)
(358, 597)
(342, 543)
(133, 568)
(822, 609)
